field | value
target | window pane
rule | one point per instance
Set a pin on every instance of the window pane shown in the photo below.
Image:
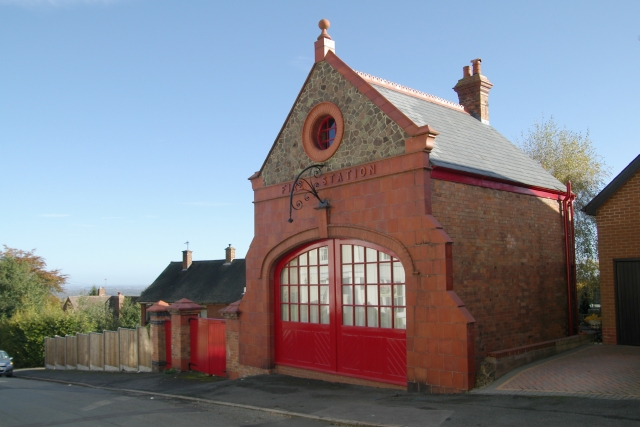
(400, 318)
(293, 262)
(324, 314)
(358, 273)
(372, 255)
(324, 275)
(313, 275)
(313, 257)
(372, 273)
(284, 312)
(293, 309)
(383, 257)
(313, 294)
(293, 293)
(358, 294)
(304, 294)
(284, 278)
(372, 317)
(358, 254)
(303, 259)
(324, 295)
(385, 294)
(398, 273)
(284, 294)
(360, 319)
(304, 313)
(398, 295)
(385, 272)
(347, 316)
(313, 314)
(347, 271)
(385, 317)
(324, 255)
(372, 295)
(347, 295)
(303, 276)
(293, 276)
(346, 254)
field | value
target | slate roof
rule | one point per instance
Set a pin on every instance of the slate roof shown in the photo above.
(204, 282)
(73, 302)
(592, 207)
(468, 145)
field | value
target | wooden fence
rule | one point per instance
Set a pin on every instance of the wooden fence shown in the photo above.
(121, 350)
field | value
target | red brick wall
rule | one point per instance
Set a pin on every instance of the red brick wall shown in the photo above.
(213, 311)
(618, 222)
(388, 205)
(508, 263)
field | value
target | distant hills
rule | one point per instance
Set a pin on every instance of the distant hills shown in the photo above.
(127, 290)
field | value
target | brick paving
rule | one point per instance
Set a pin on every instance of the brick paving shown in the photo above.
(598, 371)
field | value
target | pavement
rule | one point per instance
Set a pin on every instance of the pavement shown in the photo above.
(595, 371)
(604, 391)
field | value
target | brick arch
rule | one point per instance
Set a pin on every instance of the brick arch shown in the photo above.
(337, 232)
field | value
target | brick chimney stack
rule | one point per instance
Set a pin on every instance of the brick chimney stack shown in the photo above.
(230, 254)
(473, 91)
(186, 259)
(102, 292)
(324, 44)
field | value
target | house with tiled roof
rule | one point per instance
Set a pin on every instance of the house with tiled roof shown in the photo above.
(617, 212)
(213, 284)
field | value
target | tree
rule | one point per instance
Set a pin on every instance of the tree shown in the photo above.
(93, 292)
(129, 314)
(52, 279)
(19, 287)
(570, 156)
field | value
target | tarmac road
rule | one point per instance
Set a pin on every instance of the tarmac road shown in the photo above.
(304, 401)
(39, 404)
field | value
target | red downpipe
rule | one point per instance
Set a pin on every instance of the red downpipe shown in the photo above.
(570, 256)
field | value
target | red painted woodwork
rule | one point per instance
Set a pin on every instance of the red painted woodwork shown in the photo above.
(373, 353)
(208, 346)
(167, 338)
(326, 133)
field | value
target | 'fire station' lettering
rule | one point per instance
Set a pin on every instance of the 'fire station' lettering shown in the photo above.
(338, 177)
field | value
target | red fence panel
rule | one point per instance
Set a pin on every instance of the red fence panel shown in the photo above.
(208, 346)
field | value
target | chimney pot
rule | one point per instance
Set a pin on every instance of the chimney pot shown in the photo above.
(466, 71)
(186, 259)
(476, 66)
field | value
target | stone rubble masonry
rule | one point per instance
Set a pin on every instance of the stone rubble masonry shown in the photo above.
(618, 238)
(508, 263)
(369, 133)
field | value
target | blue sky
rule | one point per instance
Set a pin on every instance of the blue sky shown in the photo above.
(128, 127)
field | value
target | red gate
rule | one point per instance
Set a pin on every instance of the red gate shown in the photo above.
(208, 346)
(167, 337)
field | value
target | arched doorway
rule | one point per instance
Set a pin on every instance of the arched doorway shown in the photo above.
(341, 308)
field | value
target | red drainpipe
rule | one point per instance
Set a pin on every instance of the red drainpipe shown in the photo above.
(570, 256)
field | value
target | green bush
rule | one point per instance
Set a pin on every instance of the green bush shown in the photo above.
(22, 336)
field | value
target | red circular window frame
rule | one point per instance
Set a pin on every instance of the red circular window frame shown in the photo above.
(318, 115)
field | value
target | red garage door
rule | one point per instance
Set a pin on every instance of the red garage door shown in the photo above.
(341, 308)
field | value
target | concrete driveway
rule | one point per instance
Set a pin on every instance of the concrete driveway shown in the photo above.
(596, 371)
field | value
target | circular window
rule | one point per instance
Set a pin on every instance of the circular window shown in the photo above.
(322, 131)
(326, 133)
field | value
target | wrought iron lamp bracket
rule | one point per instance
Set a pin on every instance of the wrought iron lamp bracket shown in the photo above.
(306, 187)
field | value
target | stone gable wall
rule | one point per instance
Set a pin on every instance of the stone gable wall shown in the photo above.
(369, 134)
(618, 238)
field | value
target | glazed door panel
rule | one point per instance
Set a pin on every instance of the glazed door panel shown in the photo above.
(340, 308)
